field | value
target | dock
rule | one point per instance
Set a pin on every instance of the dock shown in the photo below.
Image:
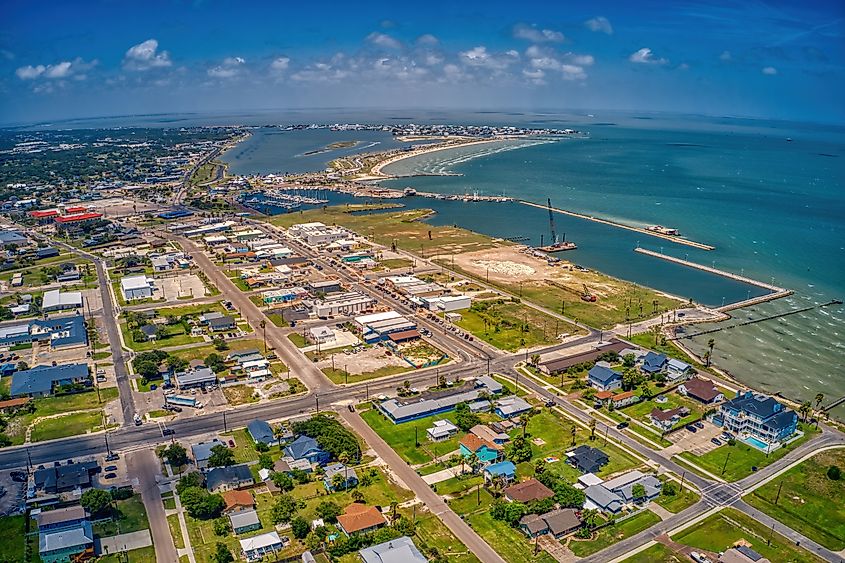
(673, 238)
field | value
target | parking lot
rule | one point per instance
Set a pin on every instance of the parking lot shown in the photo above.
(12, 492)
(171, 288)
(698, 443)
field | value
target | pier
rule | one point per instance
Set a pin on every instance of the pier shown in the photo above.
(675, 239)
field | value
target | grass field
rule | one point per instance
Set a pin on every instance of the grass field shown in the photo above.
(298, 340)
(130, 517)
(175, 530)
(804, 495)
(735, 462)
(12, 530)
(432, 533)
(174, 336)
(641, 410)
(658, 553)
(720, 531)
(508, 542)
(143, 555)
(68, 425)
(400, 437)
(609, 535)
(396, 263)
(510, 326)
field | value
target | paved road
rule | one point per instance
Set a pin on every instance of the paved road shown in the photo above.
(432, 500)
(145, 466)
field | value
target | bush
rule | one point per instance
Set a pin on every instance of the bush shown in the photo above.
(221, 526)
(834, 473)
(121, 493)
(332, 436)
(95, 501)
(299, 527)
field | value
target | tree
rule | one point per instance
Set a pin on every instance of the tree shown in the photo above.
(710, 344)
(669, 489)
(222, 554)
(220, 344)
(629, 360)
(299, 527)
(215, 362)
(338, 481)
(175, 454)
(573, 432)
(592, 428)
(568, 496)
(192, 479)
(95, 501)
(282, 480)
(261, 447)
(283, 509)
(638, 492)
(221, 526)
(519, 450)
(465, 418)
(535, 359)
(357, 496)
(221, 456)
(328, 511)
(819, 400)
(509, 512)
(330, 434)
(805, 409)
(175, 363)
(22, 366)
(200, 504)
(834, 473)
(539, 466)
(265, 461)
(300, 476)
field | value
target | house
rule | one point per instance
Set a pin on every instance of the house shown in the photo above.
(320, 335)
(136, 287)
(222, 323)
(360, 518)
(484, 451)
(758, 416)
(61, 518)
(558, 523)
(624, 485)
(198, 377)
(399, 550)
(149, 331)
(66, 544)
(505, 470)
(511, 406)
(244, 521)
(219, 479)
(287, 464)
(237, 501)
(64, 478)
(741, 554)
(307, 448)
(442, 430)
(665, 420)
(13, 405)
(348, 478)
(46, 252)
(528, 491)
(654, 363)
(42, 381)
(676, 369)
(256, 547)
(202, 452)
(58, 300)
(600, 498)
(487, 433)
(491, 385)
(624, 399)
(261, 432)
(702, 390)
(587, 459)
(603, 378)
(69, 276)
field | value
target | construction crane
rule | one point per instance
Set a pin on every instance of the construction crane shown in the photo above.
(587, 295)
(552, 223)
(554, 245)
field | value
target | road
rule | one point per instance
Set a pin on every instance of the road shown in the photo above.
(424, 492)
(145, 466)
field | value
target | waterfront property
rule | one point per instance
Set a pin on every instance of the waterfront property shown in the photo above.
(665, 420)
(654, 363)
(702, 390)
(754, 416)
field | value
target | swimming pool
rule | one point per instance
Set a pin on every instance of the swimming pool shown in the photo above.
(759, 444)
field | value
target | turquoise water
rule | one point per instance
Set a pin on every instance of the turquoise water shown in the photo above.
(759, 444)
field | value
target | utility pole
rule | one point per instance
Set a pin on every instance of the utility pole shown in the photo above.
(488, 366)
(317, 400)
(777, 497)
(367, 391)
(725, 467)
(224, 422)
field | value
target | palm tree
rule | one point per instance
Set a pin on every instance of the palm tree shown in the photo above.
(393, 506)
(535, 359)
(263, 325)
(710, 344)
(819, 400)
(592, 429)
(655, 330)
(707, 358)
(280, 431)
(573, 431)
(805, 409)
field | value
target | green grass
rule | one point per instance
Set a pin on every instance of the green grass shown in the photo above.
(609, 535)
(432, 533)
(131, 517)
(805, 500)
(175, 531)
(641, 410)
(658, 553)
(12, 529)
(142, 555)
(508, 542)
(401, 438)
(741, 457)
(175, 336)
(505, 322)
(67, 425)
(298, 340)
(396, 263)
(244, 449)
(678, 502)
(722, 530)
(277, 319)
(338, 375)
(473, 501)
(202, 352)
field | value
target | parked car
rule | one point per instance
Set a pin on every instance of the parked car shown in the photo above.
(716, 441)
(550, 403)
(622, 425)
(168, 432)
(231, 443)
(691, 428)
(698, 424)
(109, 475)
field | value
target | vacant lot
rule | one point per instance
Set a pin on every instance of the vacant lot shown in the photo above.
(510, 326)
(403, 438)
(614, 533)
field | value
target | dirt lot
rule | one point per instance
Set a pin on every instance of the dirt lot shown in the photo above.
(119, 207)
(365, 361)
(698, 443)
(174, 287)
(43, 354)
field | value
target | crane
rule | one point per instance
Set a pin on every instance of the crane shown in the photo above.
(552, 223)
(587, 295)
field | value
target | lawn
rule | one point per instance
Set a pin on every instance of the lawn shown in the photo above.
(12, 529)
(641, 410)
(339, 376)
(175, 531)
(298, 340)
(67, 425)
(658, 553)
(202, 352)
(396, 263)
(609, 535)
(131, 517)
(722, 530)
(432, 533)
(175, 336)
(401, 437)
(508, 542)
(509, 326)
(142, 555)
(677, 502)
(244, 449)
(804, 495)
(735, 462)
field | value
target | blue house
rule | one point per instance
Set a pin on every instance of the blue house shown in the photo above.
(261, 432)
(603, 378)
(654, 363)
(757, 419)
(307, 448)
(503, 470)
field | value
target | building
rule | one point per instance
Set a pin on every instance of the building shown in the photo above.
(347, 474)
(654, 363)
(317, 234)
(741, 554)
(677, 370)
(613, 495)
(222, 323)
(399, 550)
(42, 381)
(197, 377)
(256, 547)
(346, 303)
(511, 406)
(558, 523)
(237, 501)
(599, 498)
(754, 416)
(505, 470)
(308, 449)
(64, 478)
(66, 544)
(360, 518)
(487, 433)
(219, 479)
(136, 287)
(483, 450)
(702, 390)
(57, 332)
(244, 521)
(587, 459)
(528, 491)
(61, 518)
(320, 335)
(385, 329)
(492, 386)
(403, 410)
(666, 420)
(46, 252)
(58, 300)
(325, 286)
(603, 378)
(554, 365)
(202, 452)
(620, 400)
(448, 303)
(261, 431)
(441, 430)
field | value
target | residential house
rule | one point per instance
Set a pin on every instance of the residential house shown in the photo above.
(67, 544)
(758, 416)
(490, 434)
(307, 448)
(256, 547)
(287, 464)
(620, 400)
(202, 452)
(261, 432)
(220, 479)
(491, 385)
(441, 430)
(559, 523)
(149, 331)
(237, 501)
(623, 486)
(360, 518)
(399, 550)
(347, 474)
(136, 287)
(61, 518)
(677, 370)
(221, 324)
(485, 451)
(511, 406)
(603, 378)
(600, 498)
(504, 470)
(244, 521)
(654, 363)
(702, 390)
(587, 459)
(42, 381)
(666, 420)
(741, 554)
(527, 491)
(64, 478)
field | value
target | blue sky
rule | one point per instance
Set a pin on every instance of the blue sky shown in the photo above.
(766, 59)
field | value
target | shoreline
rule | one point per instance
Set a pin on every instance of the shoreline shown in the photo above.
(377, 174)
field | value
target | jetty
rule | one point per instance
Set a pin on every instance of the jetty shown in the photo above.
(673, 238)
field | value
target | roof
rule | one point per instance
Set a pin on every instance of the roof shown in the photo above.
(486, 433)
(399, 550)
(194, 376)
(40, 379)
(78, 217)
(225, 320)
(300, 447)
(512, 405)
(57, 298)
(339, 469)
(622, 396)
(602, 395)
(588, 458)
(562, 520)
(474, 443)
(491, 384)
(230, 475)
(603, 375)
(135, 282)
(14, 402)
(404, 335)
(234, 499)
(534, 523)
(560, 364)
(501, 468)
(244, 518)
(261, 541)
(65, 476)
(529, 490)
(76, 537)
(202, 451)
(674, 363)
(667, 415)
(358, 517)
(601, 496)
(759, 405)
(60, 515)
(654, 361)
(701, 388)
(261, 431)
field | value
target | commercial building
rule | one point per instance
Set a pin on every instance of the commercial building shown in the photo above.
(58, 300)
(56, 332)
(754, 416)
(64, 478)
(42, 381)
(403, 410)
(136, 287)
(347, 303)
(197, 377)
(554, 364)
(316, 233)
(448, 303)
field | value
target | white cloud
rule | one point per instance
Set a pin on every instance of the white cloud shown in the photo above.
(535, 76)
(427, 39)
(536, 35)
(229, 68)
(683, 66)
(66, 69)
(645, 56)
(725, 56)
(384, 40)
(770, 71)
(146, 55)
(599, 23)
(549, 60)
(30, 72)
(280, 64)
(583, 60)
(480, 57)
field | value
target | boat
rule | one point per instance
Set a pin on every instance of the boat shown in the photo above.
(660, 229)
(558, 247)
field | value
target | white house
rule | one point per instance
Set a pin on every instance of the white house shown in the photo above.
(442, 430)
(136, 287)
(256, 547)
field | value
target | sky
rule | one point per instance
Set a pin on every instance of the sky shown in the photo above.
(781, 60)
